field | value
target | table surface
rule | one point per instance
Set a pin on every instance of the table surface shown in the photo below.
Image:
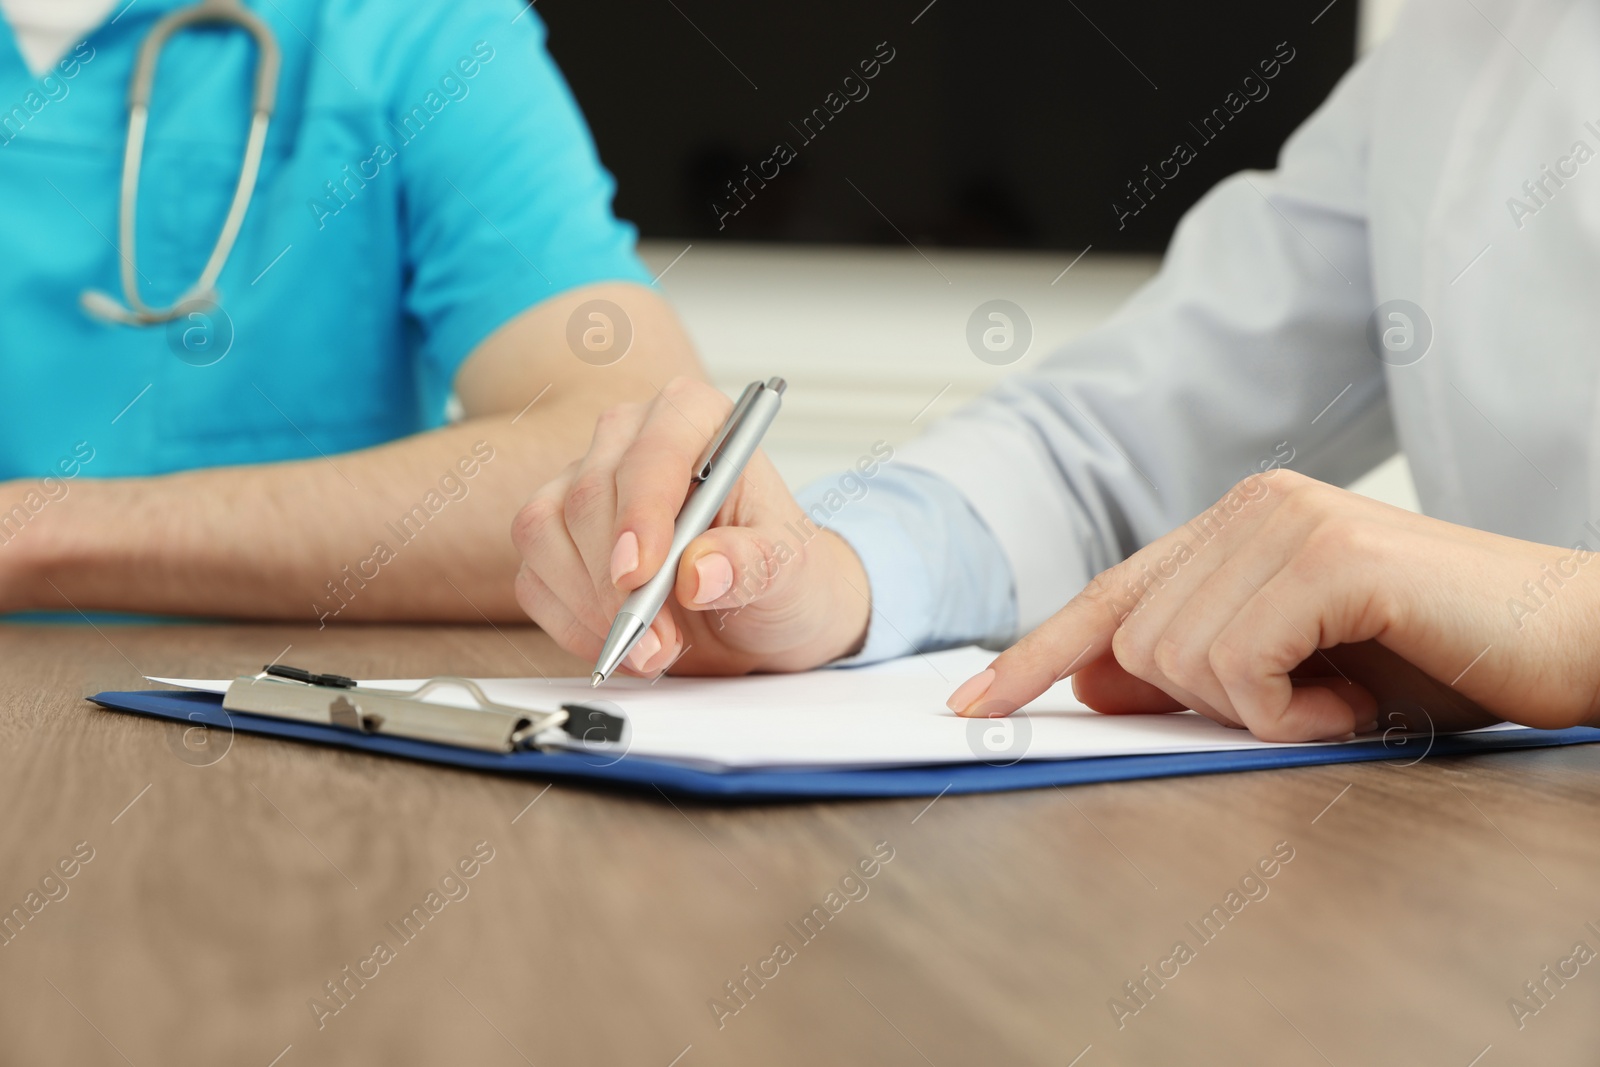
(232, 879)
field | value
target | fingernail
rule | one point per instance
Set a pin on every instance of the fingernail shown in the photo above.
(624, 557)
(648, 646)
(969, 691)
(715, 576)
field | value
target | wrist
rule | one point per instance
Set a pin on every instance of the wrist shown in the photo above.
(48, 532)
(821, 619)
(851, 609)
(28, 510)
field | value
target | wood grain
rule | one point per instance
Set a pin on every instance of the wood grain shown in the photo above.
(218, 904)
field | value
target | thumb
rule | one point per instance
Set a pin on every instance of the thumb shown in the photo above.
(732, 566)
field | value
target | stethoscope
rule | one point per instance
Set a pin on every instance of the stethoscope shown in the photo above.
(135, 312)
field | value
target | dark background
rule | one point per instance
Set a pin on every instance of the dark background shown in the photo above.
(998, 124)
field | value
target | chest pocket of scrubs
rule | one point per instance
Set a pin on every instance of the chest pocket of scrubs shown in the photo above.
(309, 354)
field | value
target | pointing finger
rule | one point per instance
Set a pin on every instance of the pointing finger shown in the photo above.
(1073, 637)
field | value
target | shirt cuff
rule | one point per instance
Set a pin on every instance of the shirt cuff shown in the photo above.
(937, 576)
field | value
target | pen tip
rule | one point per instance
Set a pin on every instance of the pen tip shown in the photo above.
(594, 683)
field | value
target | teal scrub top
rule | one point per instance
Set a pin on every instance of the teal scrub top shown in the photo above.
(427, 177)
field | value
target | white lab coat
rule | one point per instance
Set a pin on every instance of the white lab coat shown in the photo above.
(1404, 185)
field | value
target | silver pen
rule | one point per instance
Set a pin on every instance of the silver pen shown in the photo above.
(712, 479)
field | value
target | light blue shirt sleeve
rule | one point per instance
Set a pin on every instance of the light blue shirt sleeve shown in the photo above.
(938, 577)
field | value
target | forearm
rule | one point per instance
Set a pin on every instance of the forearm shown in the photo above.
(400, 531)
(415, 529)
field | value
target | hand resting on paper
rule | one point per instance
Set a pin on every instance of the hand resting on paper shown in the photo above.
(1305, 612)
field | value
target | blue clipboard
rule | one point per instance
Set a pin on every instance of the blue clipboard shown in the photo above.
(205, 709)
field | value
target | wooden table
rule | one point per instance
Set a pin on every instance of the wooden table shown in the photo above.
(223, 894)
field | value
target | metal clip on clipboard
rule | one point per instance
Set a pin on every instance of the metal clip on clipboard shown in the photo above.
(334, 700)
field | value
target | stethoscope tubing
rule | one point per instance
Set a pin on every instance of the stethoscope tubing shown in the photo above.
(133, 311)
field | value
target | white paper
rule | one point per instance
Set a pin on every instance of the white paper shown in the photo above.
(885, 715)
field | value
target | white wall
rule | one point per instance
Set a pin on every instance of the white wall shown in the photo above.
(873, 340)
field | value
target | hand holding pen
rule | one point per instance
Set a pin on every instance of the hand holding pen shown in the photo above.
(762, 588)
